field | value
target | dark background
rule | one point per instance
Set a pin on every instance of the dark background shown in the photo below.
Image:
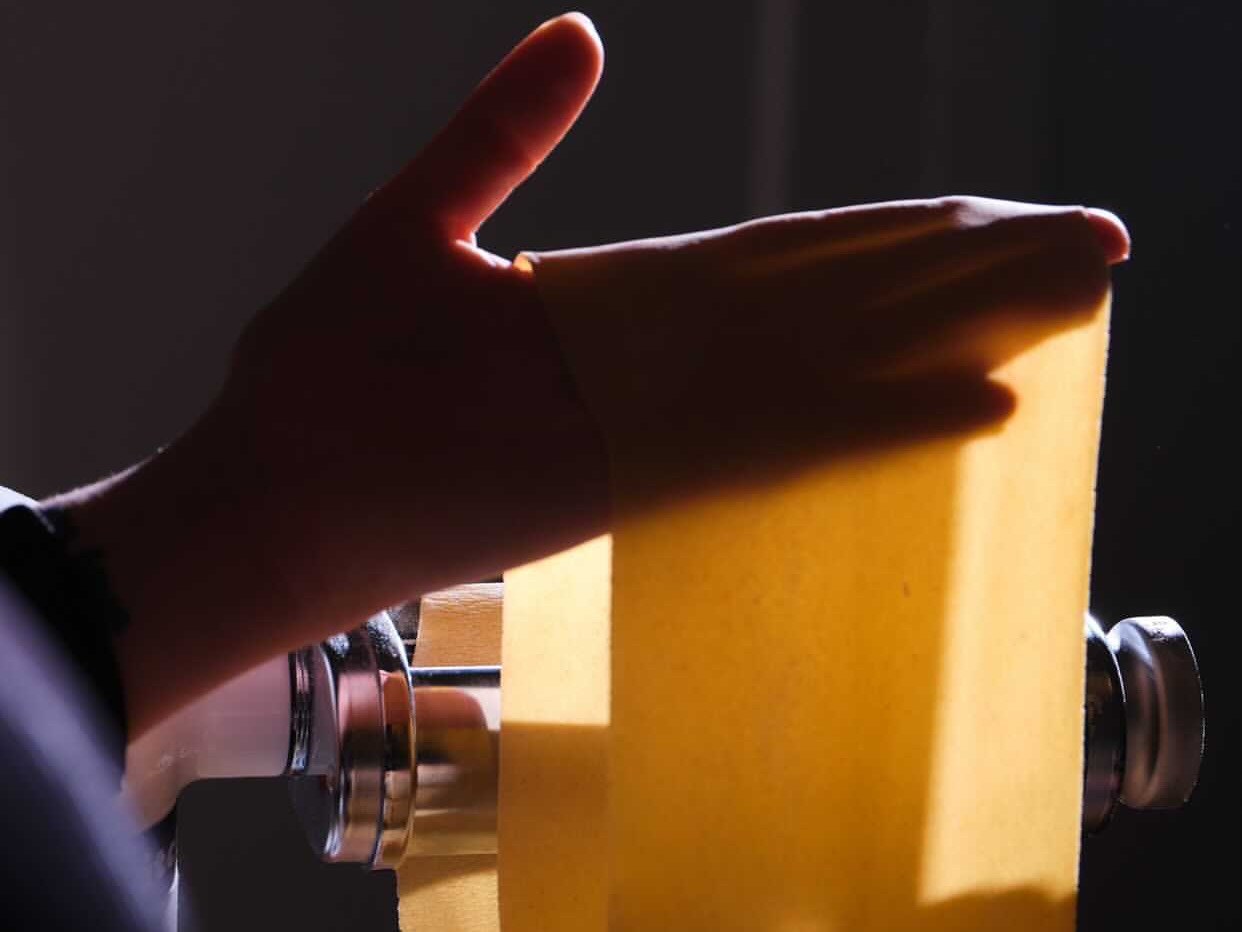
(165, 167)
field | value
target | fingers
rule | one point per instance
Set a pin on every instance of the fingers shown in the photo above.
(506, 128)
(1112, 233)
(883, 251)
(974, 291)
(986, 317)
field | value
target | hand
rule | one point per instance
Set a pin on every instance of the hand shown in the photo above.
(398, 420)
(402, 418)
(745, 353)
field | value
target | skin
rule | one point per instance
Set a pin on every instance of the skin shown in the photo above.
(402, 418)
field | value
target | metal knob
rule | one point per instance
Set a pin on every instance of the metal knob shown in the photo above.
(457, 715)
(1144, 723)
(352, 754)
(387, 760)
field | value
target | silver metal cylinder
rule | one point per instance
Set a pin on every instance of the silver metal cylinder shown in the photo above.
(1144, 721)
(1164, 711)
(457, 753)
(389, 761)
(352, 749)
(1104, 732)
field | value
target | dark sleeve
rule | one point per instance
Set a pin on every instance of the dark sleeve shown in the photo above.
(66, 588)
(72, 859)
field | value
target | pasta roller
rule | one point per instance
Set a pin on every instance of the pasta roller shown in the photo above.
(390, 755)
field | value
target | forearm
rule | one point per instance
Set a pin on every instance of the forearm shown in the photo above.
(242, 540)
(189, 566)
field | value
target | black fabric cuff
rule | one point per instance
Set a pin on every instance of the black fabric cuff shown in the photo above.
(68, 587)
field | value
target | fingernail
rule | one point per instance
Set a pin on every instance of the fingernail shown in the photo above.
(584, 21)
(1112, 233)
(580, 18)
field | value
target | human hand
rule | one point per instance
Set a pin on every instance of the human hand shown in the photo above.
(402, 419)
(743, 353)
(399, 419)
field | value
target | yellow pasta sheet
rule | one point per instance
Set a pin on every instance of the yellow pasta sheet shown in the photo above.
(553, 756)
(458, 627)
(854, 701)
(845, 693)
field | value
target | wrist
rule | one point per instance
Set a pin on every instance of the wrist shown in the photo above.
(178, 541)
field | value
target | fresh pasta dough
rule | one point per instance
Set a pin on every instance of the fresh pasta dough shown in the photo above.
(845, 694)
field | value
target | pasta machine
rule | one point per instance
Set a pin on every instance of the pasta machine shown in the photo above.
(388, 755)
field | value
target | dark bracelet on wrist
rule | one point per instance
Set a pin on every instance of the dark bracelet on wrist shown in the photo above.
(68, 586)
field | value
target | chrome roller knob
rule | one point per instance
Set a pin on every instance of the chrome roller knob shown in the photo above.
(1144, 718)
(352, 754)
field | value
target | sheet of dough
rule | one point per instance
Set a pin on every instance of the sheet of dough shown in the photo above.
(453, 894)
(447, 894)
(553, 749)
(460, 627)
(848, 701)
(854, 702)
(851, 700)
(553, 759)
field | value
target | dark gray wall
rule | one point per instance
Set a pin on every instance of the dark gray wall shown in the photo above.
(164, 168)
(1149, 124)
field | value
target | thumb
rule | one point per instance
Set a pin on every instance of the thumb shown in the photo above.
(506, 128)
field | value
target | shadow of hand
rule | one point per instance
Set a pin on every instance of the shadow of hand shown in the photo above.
(736, 355)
